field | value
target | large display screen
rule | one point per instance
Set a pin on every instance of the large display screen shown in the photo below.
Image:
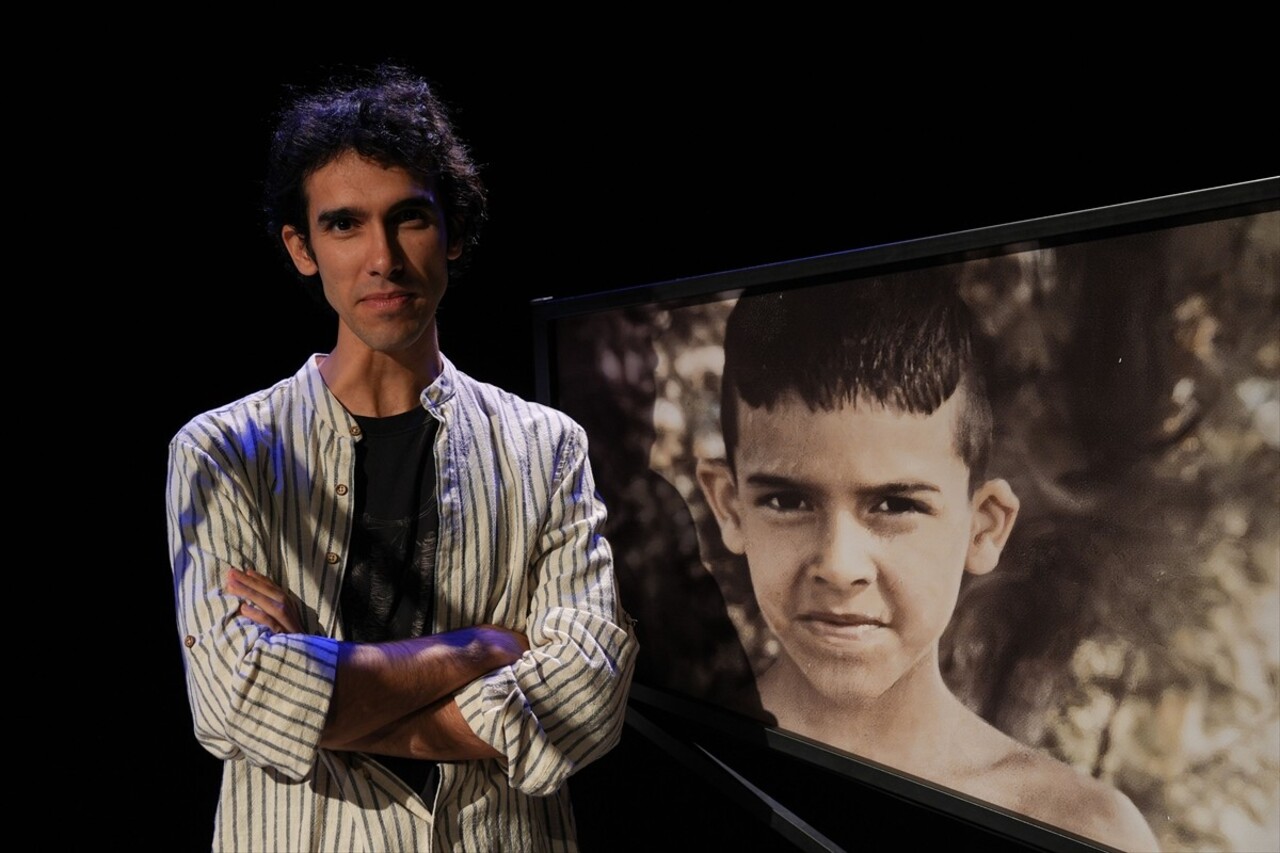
(1087, 602)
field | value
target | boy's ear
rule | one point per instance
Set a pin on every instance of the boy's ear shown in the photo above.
(299, 250)
(995, 508)
(720, 488)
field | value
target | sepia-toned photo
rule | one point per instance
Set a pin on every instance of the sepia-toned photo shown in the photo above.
(1009, 525)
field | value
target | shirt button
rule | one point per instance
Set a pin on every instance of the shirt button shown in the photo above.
(331, 558)
(355, 429)
(189, 641)
(341, 490)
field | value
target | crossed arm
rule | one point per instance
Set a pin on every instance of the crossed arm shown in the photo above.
(272, 695)
(393, 698)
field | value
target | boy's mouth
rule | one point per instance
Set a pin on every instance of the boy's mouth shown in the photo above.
(826, 623)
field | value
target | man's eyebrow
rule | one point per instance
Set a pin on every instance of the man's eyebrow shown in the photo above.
(328, 217)
(425, 201)
(426, 198)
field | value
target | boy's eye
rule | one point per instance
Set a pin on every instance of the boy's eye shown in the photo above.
(894, 505)
(785, 502)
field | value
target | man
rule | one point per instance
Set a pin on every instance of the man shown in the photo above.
(381, 563)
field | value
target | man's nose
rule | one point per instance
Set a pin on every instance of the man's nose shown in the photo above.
(384, 258)
(847, 553)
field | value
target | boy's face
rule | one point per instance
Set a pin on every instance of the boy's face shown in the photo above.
(857, 526)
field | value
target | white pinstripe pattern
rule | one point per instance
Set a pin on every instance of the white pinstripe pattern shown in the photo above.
(254, 484)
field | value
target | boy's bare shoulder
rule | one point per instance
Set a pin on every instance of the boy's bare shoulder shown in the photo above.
(1041, 787)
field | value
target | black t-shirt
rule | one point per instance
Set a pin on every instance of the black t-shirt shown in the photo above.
(388, 592)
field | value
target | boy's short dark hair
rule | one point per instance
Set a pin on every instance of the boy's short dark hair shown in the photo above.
(389, 116)
(905, 343)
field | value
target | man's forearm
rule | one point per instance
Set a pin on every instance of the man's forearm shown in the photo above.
(380, 684)
(437, 732)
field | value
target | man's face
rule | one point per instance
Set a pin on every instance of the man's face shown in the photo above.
(857, 526)
(378, 240)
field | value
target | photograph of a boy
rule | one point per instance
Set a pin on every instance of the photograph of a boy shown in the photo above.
(856, 428)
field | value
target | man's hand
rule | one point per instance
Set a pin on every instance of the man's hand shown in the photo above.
(381, 685)
(507, 644)
(264, 602)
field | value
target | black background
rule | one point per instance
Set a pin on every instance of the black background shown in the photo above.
(605, 170)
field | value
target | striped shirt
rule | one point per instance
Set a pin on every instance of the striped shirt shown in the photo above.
(267, 483)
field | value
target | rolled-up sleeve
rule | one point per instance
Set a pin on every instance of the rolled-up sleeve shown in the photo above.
(254, 694)
(562, 704)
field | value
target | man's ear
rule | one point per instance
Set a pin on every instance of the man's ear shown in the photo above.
(720, 488)
(455, 243)
(299, 250)
(995, 508)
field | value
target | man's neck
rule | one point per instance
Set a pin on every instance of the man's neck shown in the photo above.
(377, 384)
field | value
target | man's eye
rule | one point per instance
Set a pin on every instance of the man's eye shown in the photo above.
(411, 215)
(785, 502)
(893, 505)
(341, 224)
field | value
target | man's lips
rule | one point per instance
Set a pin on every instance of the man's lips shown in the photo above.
(387, 298)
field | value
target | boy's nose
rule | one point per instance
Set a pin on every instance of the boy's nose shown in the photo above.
(845, 558)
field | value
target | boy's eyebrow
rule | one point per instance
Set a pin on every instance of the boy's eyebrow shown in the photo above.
(776, 481)
(901, 488)
(771, 480)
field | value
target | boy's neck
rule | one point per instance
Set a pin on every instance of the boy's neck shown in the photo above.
(908, 726)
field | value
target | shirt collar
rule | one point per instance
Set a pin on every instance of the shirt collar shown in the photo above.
(440, 392)
(331, 412)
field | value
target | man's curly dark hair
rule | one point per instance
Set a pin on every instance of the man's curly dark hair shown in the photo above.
(390, 116)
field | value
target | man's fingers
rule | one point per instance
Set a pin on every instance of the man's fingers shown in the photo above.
(256, 582)
(257, 614)
(259, 598)
(267, 598)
